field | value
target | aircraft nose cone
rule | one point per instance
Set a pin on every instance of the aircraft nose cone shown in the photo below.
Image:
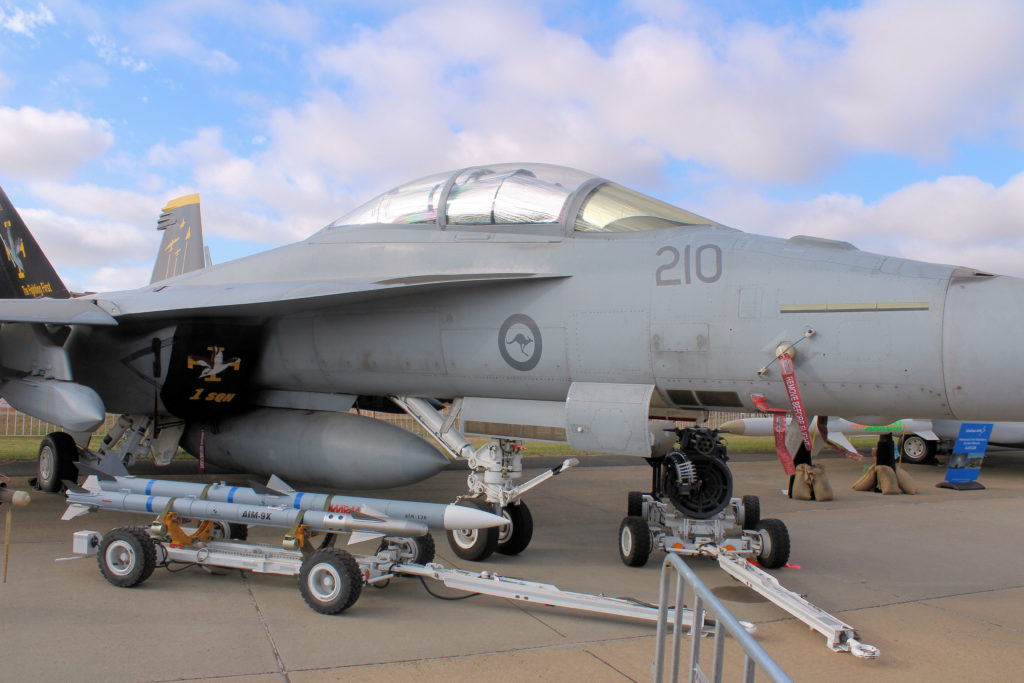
(983, 331)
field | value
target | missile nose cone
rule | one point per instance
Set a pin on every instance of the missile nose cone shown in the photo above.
(733, 427)
(462, 517)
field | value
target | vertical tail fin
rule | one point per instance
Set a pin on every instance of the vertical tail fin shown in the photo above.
(181, 250)
(27, 273)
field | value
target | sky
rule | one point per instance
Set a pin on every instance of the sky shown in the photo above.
(897, 125)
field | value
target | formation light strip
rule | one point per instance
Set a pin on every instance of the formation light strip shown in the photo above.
(868, 307)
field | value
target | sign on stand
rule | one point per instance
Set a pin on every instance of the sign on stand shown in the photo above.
(968, 452)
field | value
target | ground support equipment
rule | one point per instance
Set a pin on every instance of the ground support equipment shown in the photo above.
(331, 579)
(734, 536)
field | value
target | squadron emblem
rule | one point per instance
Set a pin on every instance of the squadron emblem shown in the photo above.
(215, 365)
(519, 342)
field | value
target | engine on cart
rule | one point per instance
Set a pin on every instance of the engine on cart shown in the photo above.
(691, 511)
(695, 478)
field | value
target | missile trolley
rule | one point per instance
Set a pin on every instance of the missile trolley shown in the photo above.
(691, 511)
(330, 578)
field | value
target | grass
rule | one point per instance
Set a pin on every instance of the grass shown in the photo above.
(27, 447)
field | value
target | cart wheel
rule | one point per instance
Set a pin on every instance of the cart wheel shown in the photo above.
(474, 544)
(57, 455)
(411, 549)
(330, 580)
(774, 551)
(751, 512)
(517, 534)
(126, 556)
(634, 541)
(235, 532)
(635, 504)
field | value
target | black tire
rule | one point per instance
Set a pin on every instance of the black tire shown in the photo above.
(475, 545)
(126, 557)
(412, 549)
(223, 530)
(330, 580)
(774, 552)
(751, 512)
(56, 461)
(917, 450)
(514, 538)
(634, 541)
(635, 504)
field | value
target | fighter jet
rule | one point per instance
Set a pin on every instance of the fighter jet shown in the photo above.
(514, 301)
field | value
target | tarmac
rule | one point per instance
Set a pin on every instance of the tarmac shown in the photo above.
(933, 580)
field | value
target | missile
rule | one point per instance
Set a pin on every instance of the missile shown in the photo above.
(277, 506)
(762, 426)
(13, 497)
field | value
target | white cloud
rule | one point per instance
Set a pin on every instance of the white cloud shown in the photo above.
(110, 53)
(958, 220)
(35, 143)
(25, 22)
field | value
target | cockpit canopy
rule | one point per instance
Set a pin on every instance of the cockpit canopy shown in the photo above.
(506, 195)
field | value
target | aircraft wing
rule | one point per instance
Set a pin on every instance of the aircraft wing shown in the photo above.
(80, 311)
(274, 298)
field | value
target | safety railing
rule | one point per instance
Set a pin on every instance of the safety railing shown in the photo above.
(704, 602)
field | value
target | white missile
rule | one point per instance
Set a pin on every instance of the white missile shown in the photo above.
(838, 428)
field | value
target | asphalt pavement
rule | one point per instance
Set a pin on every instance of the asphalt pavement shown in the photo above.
(934, 580)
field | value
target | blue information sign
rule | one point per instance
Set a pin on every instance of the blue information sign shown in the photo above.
(965, 462)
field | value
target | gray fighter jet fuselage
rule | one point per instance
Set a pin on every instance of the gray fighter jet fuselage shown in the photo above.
(573, 306)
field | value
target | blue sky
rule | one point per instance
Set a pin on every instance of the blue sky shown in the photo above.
(897, 125)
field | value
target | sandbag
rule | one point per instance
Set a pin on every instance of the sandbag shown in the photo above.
(905, 481)
(887, 480)
(820, 488)
(868, 481)
(802, 483)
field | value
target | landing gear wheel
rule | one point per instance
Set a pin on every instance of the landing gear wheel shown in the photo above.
(751, 513)
(412, 549)
(916, 450)
(330, 581)
(475, 545)
(634, 541)
(774, 537)
(635, 504)
(57, 455)
(513, 538)
(127, 556)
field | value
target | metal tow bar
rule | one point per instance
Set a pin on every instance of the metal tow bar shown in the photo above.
(841, 636)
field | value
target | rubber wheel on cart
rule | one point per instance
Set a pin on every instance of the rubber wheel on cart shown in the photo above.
(330, 580)
(517, 534)
(56, 462)
(774, 552)
(235, 532)
(916, 450)
(475, 545)
(634, 541)
(635, 504)
(751, 513)
(127, 556)
(412, 549)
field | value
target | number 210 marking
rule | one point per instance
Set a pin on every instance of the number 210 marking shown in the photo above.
(705, 262)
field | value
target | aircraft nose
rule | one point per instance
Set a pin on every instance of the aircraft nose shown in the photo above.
(982, 337)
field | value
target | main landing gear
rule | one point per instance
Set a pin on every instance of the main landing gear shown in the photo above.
(491, 482)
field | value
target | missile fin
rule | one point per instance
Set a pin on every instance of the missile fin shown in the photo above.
(261, 489)
(278, 485)
(367, 511)
(88, 468)
(75, 510)
(363, 536)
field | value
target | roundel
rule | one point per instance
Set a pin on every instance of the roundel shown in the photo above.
(519, 342)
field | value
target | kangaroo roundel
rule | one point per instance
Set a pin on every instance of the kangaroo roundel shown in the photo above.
(519, 342)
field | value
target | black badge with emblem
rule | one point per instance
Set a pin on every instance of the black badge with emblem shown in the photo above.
(519, 342)
(210, 369)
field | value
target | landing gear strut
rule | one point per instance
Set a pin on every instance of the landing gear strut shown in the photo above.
(494, 468)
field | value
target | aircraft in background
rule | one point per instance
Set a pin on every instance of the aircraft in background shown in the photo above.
(919, 440)
(535, 302)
